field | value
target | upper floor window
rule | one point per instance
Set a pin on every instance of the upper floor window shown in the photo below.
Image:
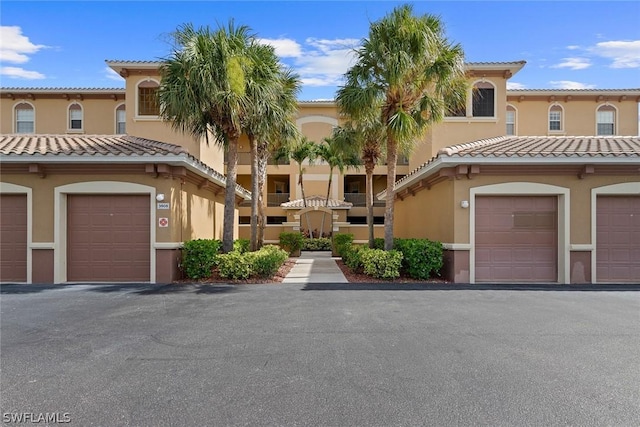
(555, 118)
(511, 120)
(606, 120)
(75, 117)
(121, 120)
(25, 118)
(483, 104)
(148, 99)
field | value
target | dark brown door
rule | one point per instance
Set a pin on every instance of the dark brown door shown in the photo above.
(516, 239)
(108, 238)
(13, 238)
(618, 239)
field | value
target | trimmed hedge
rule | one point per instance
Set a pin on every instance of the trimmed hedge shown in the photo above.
(234, 265)
(291, 241)
(341, 241)
(241, 245)
(381, 264)
(316, 244)
(352, 256)
(266, 261)
(199, 257)
(422, 258)
(378, 243)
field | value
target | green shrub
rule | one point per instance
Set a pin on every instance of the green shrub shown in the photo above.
(317, 244)
(199, 257)
(351, 255)
(266, 261)
(340, 241)
(291, 241)
(381, 264)
(234, 265)
(378, 243)
(422, 258)
(241, 245)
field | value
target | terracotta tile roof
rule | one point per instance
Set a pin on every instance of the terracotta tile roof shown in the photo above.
(102, 148)
(318, 201)
(62, 89)
(548, 146)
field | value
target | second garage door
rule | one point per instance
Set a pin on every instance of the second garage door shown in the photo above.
(108, 238)
(13, 238)
(516, 239)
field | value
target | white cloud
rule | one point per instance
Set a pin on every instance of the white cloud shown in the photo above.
(20, 73)
(111, 74)
(567, 84)
(285, 48)
(15, 47)
(624, 54)
(573, 47)
(515, 86)
(573, 63)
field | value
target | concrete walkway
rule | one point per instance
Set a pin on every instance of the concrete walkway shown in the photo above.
(315, 267)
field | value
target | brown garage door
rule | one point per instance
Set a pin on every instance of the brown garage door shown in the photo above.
(13, 238)
(516, 239)
(618, 239)
(108, 238)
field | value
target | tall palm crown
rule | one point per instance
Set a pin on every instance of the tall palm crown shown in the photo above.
(407, 73)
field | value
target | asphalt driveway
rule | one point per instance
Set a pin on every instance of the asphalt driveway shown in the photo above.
(321, 355)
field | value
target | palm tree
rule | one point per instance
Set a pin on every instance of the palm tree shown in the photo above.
(273, 91)
(204, 90)
(407, 73)
(339, 152)
(303, 149)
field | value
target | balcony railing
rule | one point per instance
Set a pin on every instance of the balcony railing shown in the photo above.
(245, 159)
(360, 199)
(402, 161)
(276, 199)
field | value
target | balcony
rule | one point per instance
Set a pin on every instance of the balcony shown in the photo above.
(402, 161)
(245, 159)
(276, 199)
(360, 200)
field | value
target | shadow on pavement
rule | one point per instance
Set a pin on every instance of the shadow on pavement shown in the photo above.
(460, 287)
(135, 288)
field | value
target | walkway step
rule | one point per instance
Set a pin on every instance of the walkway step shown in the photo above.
(315, 267)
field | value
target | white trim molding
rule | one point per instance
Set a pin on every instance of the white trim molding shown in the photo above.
(316, 118)
(457, 246)
(8, 188)
(526, 189)
(622, 189)
(95, 187)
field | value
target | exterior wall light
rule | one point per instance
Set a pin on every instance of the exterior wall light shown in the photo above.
(464, 204)
(160, 197)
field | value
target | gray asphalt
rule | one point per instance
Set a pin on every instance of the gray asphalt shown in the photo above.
(321, 355)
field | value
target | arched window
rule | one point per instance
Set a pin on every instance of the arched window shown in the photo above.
(606, 120)
(511, 120)
(25, 116)
(121, 120)
(75, 117)
(483, 100)
(148, 98)
(555, 118)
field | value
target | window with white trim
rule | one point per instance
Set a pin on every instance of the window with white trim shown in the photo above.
(75, 117)
(511, 120)
(483, 103)
(25, 116)
(148, 99)
(121, 120)
(606, 120)
(555, 118)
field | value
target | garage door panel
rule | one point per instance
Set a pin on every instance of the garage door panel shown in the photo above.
(108, 237)
(13, 238)
(618, 239)
(516, 238)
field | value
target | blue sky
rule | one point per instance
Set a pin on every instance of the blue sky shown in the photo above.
(573, 44)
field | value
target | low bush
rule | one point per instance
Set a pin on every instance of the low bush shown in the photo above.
(422, 258)
(291, 241)
(317, 244)
(378, 243)
(352, 256)
(381, 264)
(234, 265)
(241, 245)
(340, 241)
(199, 257)
(266, 261)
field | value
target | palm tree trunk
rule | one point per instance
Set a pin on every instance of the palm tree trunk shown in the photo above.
(304, 202)
(254, 193)
(392, 158)
(262, 177)
(326, 201)
(369, 198)
(230, 196)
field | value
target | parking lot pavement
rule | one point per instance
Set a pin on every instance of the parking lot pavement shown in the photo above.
(321, 355)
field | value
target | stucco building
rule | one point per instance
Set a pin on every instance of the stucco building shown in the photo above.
(69, 155)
